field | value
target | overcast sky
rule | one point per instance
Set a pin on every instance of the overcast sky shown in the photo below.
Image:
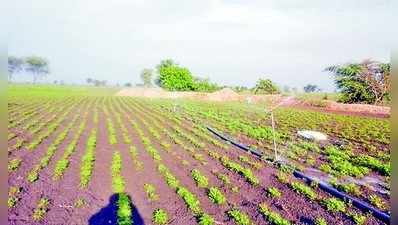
(231, 42)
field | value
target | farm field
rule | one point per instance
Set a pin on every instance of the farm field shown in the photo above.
(94, 158)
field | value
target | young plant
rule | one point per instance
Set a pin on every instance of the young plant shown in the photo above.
(304, 189)
(151, 192)
(320, 221)
(377, 201)
(273, 192)
(200, 179)
(124, 211)
(334, 205)
(271, 216)
(205, 219)
(216, 196)
(14, 164)
(41, 209)
(13, 196)
(160, 217)
(239, 217)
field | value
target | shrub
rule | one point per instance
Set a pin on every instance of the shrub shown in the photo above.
(334, 205)
(160, 216)
(216, 196)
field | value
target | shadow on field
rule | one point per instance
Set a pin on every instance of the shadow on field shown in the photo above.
(108, 214)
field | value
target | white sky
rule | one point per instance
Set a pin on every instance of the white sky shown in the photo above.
(231, 42)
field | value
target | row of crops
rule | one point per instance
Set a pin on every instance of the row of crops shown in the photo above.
(162, 166)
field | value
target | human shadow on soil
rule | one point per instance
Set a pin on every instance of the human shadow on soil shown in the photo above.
(108, 214)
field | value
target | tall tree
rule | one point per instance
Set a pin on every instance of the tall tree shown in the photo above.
(146, 77)
(37, 66)
(14, 66)
(366, 82)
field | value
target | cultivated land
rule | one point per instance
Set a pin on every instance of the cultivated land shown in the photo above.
(84, 156)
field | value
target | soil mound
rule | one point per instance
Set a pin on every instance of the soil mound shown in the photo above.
(225, 94)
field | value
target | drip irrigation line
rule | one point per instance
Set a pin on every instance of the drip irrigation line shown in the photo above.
(385, 217)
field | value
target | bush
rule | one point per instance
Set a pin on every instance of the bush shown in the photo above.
(175, 78)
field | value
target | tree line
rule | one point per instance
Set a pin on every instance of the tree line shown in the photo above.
(35, 65)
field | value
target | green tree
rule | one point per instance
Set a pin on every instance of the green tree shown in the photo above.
(366, 82)
(38, 66)
(14, 66)
(176, 78)
(146, 77)
(265, 86)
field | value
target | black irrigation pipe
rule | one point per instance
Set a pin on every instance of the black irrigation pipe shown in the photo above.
(322, 185)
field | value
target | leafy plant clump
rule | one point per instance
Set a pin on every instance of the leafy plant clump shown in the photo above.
(190, 199)
(205, 219)
(151, 192)
(239, 217)
(272, 217)
(160, 217)
(304, 189)
(273, 192)
(320, 221)
(41, 209)
(216, 196)
(14, 164)
(200, 179)
(334, 205)
(124, 211)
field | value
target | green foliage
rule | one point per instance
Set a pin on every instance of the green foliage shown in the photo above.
(371, 162)
(116, 168)
(151, 192)
(87, 163)
(239, 217)
(216, 196)
(13, 196)
(176, 78)
(320, 221)
(160, 216)
(205, 219)
(334, 205)
(265, 86)
(236, 167)
(190, 199)
(200, 179)
(358, 218)
(377, 201)
(304, 189)
(124, 211)
(80, 202)
(14, 164)
(41, 209)
(272, 217)
(204, 85)
(273, 192)
(366, 82)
